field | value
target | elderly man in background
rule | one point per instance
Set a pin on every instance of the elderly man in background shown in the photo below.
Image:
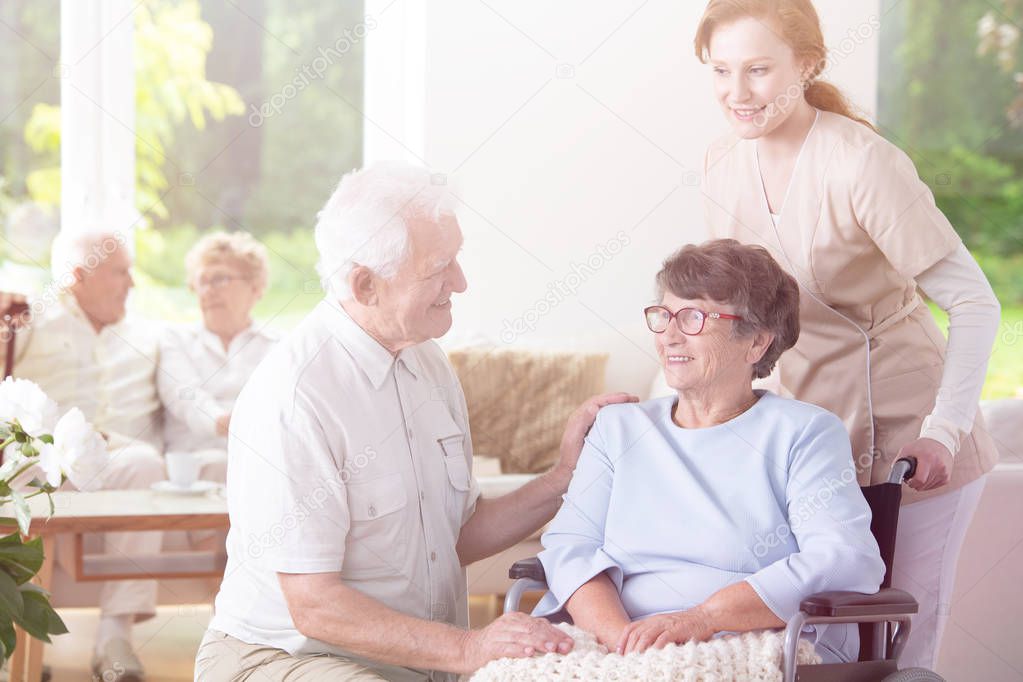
(78, 347)
(203, 366)
(353, 507)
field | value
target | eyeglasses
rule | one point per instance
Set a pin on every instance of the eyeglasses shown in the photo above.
(690, 321)
(216, 281)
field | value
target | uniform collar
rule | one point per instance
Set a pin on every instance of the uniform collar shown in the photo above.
(371, 357)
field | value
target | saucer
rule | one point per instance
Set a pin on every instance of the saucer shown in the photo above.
(197, 488)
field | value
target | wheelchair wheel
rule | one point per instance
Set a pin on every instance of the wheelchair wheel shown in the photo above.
(914, 675)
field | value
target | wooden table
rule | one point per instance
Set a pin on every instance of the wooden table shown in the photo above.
(116, 510)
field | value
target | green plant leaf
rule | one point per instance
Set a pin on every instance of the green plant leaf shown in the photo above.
(12, 605)
(41, 598)
(7, 637)
(22, 512)
(38, 618)
(21, 560)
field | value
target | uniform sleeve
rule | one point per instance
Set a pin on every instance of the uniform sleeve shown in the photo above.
(830, 521)
(958, 285)
(289, 492)
(180, 387)
(574, 543)
(894, 206)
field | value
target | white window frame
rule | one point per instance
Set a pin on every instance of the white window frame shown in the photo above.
(97, 116)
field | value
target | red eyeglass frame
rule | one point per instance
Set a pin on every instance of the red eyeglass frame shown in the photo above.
(674, 316)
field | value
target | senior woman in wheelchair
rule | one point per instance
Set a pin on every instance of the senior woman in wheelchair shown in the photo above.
(718, 509)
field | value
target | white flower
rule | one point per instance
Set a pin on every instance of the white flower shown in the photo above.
(22, 400)
(78, 452)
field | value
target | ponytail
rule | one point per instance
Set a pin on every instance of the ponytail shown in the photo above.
(826, 97)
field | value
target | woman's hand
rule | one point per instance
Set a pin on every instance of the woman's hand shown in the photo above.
(608, 633)
(933, 463)
(663, 629)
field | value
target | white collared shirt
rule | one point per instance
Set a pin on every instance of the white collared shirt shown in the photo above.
(199, 381)
(344, 458)
(109, 375)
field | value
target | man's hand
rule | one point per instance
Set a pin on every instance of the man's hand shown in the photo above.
(8, 299)
(513, 635)
(579, 423)
(933, 463)
(223, 424)
(663, 629)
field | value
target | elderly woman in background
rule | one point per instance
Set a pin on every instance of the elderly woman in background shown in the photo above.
(204, 366)
(721, 508)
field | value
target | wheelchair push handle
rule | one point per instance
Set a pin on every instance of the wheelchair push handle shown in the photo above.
(902, 470)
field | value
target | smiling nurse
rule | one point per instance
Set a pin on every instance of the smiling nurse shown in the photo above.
(846, 213)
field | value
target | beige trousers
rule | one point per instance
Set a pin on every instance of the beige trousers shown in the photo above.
(223, 658)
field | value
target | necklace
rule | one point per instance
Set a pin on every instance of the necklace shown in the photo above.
(748, 404)
(718, 420)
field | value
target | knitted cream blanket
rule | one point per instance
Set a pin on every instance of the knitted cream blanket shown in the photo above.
(749, 657)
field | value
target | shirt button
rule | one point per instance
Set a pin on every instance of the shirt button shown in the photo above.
(372, 510)
(409, 432)
(422, 495)
(433, 556)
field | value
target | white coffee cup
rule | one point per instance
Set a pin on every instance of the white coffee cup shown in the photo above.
(182, 468)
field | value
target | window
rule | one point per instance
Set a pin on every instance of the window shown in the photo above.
(29, 155)
(245, 116)
(967, 143)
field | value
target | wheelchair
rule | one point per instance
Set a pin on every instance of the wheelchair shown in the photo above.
(883, 618)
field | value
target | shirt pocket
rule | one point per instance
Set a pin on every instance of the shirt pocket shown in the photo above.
(458, 477)
(377, 543)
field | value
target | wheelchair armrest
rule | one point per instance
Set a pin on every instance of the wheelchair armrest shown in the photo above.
(889, 601)
(528, 568)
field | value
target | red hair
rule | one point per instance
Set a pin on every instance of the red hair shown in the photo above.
(800, 28)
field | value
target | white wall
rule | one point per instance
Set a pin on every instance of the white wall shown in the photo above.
(562, 125)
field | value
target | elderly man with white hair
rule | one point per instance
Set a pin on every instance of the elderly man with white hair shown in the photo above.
(76, 344)
(353, 507)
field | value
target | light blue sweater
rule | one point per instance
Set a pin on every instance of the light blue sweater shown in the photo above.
(674, 515)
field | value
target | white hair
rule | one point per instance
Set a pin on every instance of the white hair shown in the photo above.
(365, 221)
(82, 250)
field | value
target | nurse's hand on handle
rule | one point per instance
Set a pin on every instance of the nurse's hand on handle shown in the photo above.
(933, 463)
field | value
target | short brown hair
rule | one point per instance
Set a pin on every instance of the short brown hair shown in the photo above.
(745, 277)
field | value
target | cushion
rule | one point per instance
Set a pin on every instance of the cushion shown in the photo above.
(519, 400)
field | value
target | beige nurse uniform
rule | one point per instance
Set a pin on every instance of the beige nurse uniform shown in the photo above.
(856, 230)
